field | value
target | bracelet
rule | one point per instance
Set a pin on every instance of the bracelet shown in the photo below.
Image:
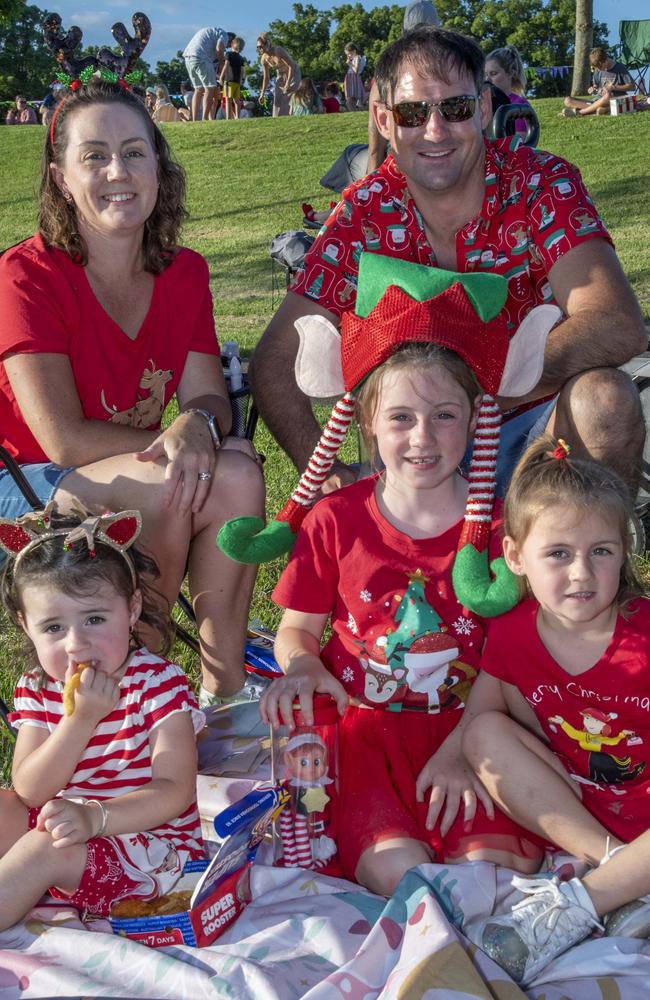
(104, 812)
(213, 426)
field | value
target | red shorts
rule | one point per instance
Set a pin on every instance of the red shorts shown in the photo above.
(381, 756)
(110, 875)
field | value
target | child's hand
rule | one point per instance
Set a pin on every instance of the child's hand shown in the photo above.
(302, 681)
(450, 779)
(69, 822)
(96, 696)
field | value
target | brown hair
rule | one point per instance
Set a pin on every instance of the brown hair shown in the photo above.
(433, 52)
(598, 57)
(410, 357)
(75, 572)
(541, 482)
(57, 221)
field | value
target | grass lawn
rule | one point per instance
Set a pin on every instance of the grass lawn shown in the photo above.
(246, 183)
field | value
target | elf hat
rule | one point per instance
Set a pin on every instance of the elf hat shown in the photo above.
(398, 303)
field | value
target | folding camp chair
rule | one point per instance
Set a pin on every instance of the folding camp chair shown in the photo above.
(633, 50)
(244, 423)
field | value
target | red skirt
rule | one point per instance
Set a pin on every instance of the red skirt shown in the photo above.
(381, 756)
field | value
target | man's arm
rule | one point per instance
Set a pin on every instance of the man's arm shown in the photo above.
(283, 407)
(603, 325)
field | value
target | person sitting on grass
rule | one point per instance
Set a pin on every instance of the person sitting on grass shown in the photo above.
(103, 803)
(22, 113)
(306, 101)
(611, 79)
(556, 725)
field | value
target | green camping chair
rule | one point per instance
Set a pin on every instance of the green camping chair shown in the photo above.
(634, 50)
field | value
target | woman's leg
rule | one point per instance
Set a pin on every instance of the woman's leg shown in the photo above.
(382, 866)
(529, 784)
(220, 588)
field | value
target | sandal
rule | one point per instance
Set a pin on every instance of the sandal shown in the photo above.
(568, 113)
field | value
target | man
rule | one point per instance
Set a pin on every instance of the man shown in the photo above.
(447, 197)
(22, 113)
(611, 79)
(204, 57)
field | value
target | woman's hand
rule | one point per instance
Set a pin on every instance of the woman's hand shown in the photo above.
(69, 822)
(303, 680)
(187, 447)
(450, 779)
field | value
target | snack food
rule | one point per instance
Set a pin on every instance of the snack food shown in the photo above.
(72, 685)
(171, 902)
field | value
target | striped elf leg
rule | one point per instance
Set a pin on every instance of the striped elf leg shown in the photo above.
(289, 851)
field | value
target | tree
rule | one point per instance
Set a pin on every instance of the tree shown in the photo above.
(306, 38)
(26, 63)
(370, 30)
(172, 73)
(584, 42)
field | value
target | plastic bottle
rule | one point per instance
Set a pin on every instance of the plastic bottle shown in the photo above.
(305, 763)
(236, 377)
(229, 349)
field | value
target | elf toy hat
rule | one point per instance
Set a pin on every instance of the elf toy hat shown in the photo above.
(399, 303)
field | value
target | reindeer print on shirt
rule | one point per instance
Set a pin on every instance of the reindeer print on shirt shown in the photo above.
(147, 411)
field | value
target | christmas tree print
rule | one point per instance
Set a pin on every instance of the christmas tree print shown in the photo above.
(316, 286)
(414, 617)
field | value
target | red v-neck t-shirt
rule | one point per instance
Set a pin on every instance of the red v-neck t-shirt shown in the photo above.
(47, 306)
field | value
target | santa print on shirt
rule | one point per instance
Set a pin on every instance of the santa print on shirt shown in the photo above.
(400, 637)
(597, 722)
(535, 209)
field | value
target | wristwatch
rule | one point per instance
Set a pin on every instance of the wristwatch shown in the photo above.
(213, 426)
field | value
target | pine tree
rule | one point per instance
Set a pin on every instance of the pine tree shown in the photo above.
(414, 617)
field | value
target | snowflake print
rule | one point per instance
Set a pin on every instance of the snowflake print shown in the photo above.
(348, 675)
(365, 596)
(464, 626)
(352, 625)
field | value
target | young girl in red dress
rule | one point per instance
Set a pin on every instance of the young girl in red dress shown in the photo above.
(375, 560)
(558, 722)
(103, 803)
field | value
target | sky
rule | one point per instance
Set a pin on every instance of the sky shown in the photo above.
(174, 23)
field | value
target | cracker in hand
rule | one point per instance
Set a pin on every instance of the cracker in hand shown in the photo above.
(72, 685)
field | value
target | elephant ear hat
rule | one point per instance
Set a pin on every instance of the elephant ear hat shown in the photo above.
(400, 303)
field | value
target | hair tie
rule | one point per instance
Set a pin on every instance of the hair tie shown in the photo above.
(561, 450)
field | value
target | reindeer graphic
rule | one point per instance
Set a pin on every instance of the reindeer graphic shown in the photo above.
(147, 411)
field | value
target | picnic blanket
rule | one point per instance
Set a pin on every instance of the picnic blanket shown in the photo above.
(307, 935)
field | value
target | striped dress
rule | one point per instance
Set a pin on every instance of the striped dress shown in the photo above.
(117, 759)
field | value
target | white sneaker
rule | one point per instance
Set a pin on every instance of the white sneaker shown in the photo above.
(551, 918)
(252, 690)
(630, 920)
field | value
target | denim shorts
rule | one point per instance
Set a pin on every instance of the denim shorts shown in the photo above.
(43, 477)
(516, 435)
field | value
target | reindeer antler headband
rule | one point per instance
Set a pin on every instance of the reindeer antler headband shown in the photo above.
(117, 531)
(397, 303)
(76, 71)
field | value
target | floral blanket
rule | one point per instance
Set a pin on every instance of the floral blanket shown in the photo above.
(307, 935)
(320, 938)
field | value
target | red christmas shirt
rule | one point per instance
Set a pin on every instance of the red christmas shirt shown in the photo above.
(400, 637)
(48, 307)
(535, 209)
(603, 739)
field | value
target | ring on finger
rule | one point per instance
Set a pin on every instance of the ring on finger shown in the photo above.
(204, 476)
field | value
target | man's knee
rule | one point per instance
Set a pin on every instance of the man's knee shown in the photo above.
(599, 413)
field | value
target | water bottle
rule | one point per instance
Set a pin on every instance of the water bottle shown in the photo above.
(236, 377)
(305, 762)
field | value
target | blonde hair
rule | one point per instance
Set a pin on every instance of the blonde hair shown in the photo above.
(161, 91)
(511, 63)
(542, 482)
(598, 57)
(237, 43)
(411, 357)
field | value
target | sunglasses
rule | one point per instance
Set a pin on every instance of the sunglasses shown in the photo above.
(415, 114)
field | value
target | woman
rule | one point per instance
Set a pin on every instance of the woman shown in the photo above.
(288, 78)
(104, 318)
(164, 110)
